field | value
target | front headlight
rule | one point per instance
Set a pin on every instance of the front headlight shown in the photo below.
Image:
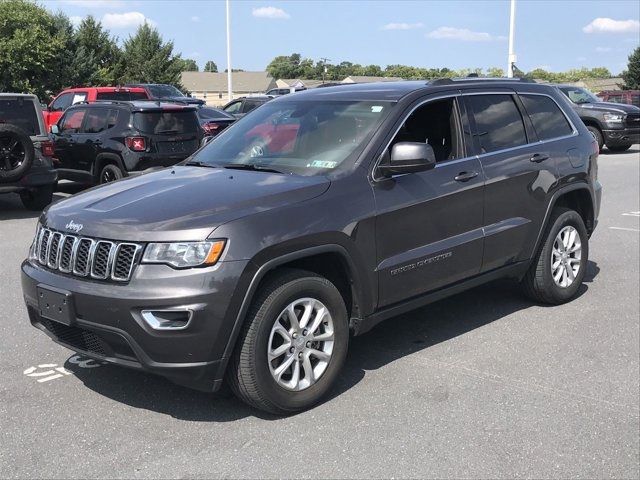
(184, 254)
(613, 117)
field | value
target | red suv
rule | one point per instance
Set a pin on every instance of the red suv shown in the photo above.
(630, 97)
(71, 96)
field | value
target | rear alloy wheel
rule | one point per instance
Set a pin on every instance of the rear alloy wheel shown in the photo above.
(110, 173)
(556, 273)
(293, 344)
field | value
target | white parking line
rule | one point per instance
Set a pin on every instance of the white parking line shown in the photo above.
(631, 214)
(625, 229)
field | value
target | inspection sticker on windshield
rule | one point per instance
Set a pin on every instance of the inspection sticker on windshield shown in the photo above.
(323, 164)
(376, 108)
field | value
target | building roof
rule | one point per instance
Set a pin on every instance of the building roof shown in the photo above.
(297, 83)
(246, 82)
(363, 79)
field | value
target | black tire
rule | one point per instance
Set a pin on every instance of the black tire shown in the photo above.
(37, 198)
(110, 173)
(619, 148)
(16, 153)
(248, 373)
(597, 134)
(538, 284)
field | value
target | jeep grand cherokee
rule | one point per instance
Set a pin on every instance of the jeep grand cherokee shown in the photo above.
(253, 264)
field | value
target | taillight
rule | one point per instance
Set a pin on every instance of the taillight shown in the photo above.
(212, 128)
(137, 144)
(47, 149)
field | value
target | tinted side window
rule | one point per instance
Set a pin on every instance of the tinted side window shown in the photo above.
(96, 120)
(61, 103)
(72, 121)
(249, 105)
(546, 116)
(234, 107)
(635, 100)
(498, 122)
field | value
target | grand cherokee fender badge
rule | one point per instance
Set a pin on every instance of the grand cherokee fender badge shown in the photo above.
(420, 264)
(74, 227)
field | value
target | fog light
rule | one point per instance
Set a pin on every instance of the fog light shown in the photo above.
(167, 319)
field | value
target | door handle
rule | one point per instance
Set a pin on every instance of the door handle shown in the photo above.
(539, 157)
(465, 176)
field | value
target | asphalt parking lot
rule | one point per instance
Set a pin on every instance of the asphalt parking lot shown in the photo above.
(481, 385)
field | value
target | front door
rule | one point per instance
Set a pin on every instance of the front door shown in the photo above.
(429, 224)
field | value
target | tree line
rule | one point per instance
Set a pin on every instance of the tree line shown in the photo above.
(294, 66)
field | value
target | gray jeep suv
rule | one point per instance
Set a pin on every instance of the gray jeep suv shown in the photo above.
(317, 215)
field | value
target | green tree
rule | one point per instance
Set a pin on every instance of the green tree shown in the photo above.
(30, 46)
(189, 65)
(146, 58)
(211, 66)
(94, 46)
(631, 75)
(495, 72)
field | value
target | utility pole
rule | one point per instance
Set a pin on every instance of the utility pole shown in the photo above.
(229, 79)
(324, 67)
(512, 55)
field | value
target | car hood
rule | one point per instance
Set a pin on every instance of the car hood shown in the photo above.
(177, 204)
(611, 107)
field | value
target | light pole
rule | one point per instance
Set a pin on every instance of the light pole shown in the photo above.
(512, 55)
(229, 79)
(324, 67)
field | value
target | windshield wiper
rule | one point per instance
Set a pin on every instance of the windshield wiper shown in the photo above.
(196, 163)
(250, 166)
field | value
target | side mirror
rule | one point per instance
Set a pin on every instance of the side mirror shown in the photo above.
(408, 157)
(54, 129)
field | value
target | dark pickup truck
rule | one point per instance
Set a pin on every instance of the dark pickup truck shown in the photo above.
(318, 214)
(616, 125)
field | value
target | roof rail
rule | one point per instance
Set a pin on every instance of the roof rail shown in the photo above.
(449, 81)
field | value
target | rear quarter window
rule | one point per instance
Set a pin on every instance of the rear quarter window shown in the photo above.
(20, 112)
(166, 122)
(547, 118)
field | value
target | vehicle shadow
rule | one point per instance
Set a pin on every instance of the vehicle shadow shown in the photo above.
(633, 149)
(391, 340)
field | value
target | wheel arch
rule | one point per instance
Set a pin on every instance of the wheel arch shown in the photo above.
(318, 259)
(105, 159)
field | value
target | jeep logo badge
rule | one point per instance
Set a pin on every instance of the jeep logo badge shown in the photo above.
(74, 227)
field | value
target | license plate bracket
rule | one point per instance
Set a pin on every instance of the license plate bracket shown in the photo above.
(55, 304)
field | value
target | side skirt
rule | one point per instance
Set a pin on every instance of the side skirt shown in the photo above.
(516, 270)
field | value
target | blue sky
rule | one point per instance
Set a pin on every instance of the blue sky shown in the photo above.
(556, 35)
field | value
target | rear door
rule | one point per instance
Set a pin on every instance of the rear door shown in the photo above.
(429, 224)
(88, 141)
(520, 171)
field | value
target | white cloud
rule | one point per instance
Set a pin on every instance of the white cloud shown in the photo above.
(75, 20)
(270, 12)
(609, 25)
(462, 34)
(95, 3)
(401, 26)
(125, 20)
(195, 18)
(603, 49)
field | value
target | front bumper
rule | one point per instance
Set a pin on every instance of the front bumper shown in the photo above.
(623, 136)
(108, 323)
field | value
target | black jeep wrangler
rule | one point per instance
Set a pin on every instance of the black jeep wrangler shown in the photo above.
(318, 214)
(616, 125)
(25, 151)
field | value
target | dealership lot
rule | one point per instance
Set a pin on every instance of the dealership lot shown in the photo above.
(484, 384)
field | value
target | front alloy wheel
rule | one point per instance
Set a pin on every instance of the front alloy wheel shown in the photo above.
(300, 344)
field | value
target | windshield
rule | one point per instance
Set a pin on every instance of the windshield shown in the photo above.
(579, 95)
(164, 91)
(302, 137)
(166, 123)
(21, 113)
